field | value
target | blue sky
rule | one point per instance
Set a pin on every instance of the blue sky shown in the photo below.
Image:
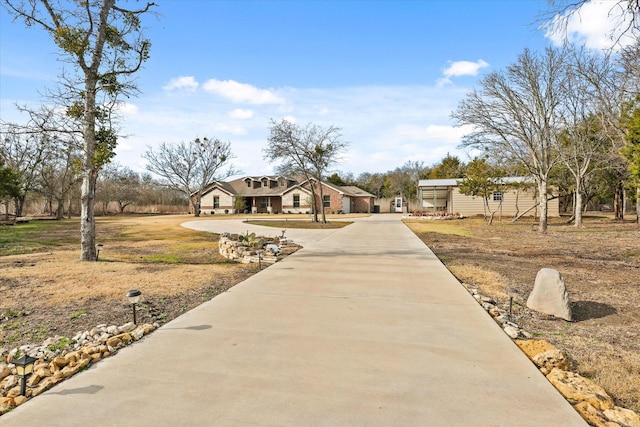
(388, 73)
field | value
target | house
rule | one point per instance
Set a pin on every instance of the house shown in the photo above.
(443, 195)
(281, 194)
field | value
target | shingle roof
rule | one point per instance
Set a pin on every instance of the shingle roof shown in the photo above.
(238, 187)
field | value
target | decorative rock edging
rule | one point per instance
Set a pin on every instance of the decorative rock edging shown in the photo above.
(231, 248)
(589, 399)
(60, 358)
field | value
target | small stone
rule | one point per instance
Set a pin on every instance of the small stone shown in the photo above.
(137, 333)
(592, 415)
(511, 331)
(43, 371)
(6, 403)
(533, 347)
(114, 343)
(34, 380)
(5, 371)
(622, 416)
(19, 400)
(575, 388)
(12, 381)
(550, 359)
(61, 362)
(127, 327)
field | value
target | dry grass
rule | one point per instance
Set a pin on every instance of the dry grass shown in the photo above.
(601, 268)
(43, 284)
(59, 277)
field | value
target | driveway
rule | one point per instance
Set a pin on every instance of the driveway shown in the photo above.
(364, 326)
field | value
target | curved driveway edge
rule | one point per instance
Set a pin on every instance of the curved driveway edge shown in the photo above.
(362, 327)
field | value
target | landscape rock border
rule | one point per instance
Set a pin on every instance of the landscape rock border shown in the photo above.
(230, 247)
(589, 399)
(59, 358)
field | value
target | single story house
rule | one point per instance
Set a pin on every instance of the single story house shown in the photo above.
(443, 195)
(281, 194)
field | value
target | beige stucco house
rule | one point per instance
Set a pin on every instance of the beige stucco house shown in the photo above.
(281, 194)
(443, 195)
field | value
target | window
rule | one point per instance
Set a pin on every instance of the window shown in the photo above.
(264, 202)
(497, 196)
(296, 200)
(216, 202)
(326, 201)
(249, 183)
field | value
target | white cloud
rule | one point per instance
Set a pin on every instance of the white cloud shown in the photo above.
(596, 24)
(128, 109)
(384, 125)
(464, 68)
(241, 92)
(461, 68)
(185, 83)
(241, 114)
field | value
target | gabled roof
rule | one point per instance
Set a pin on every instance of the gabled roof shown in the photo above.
(238, 187)
(224, 186)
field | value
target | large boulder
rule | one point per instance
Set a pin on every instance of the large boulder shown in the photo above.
(549, 295)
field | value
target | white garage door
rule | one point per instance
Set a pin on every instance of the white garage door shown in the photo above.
(346, 204)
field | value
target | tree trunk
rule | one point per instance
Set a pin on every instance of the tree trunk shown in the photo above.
(542, 192)
(19, 204)
(618, 201)
(87, 216)
(89, 175)
(638, 205)
(324, 218)
(60, 209)
(314, 201)
(578, 206)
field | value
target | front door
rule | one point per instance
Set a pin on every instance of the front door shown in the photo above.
(398, 205)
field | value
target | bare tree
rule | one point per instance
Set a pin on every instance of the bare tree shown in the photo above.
(59, 177)
(625, 12)
(190, 166)
(582, 142)
(372, 182)
(308, 151)
(120, 184)
(514, 114)
(103, 43)
(25, 152)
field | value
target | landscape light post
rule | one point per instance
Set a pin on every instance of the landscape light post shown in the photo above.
(98, 247)
(512, 292)
(24, 369)
(134, 296)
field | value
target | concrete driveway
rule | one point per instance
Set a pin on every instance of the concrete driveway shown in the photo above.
(362, 327)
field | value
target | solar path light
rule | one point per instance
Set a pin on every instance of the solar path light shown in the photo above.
(134, 296)
(24, 369)
(98, 248)
(512, 292)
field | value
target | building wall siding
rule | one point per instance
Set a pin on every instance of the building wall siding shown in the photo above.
(226, 203)
(511, 204)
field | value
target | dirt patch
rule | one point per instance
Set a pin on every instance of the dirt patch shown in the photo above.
(601, 268)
